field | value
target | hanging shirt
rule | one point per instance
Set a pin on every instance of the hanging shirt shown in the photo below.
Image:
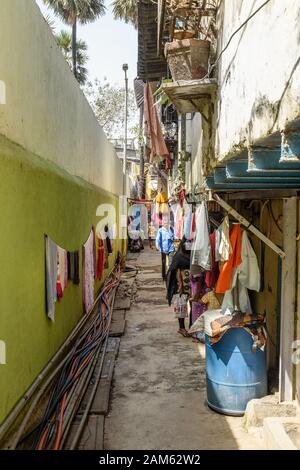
(246, 276)
(201, 252)
(88, 272)
(224, 249)
(225, 277)
(165, 240)
(51, 276)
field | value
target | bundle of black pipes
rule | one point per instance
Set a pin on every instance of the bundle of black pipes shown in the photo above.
(68, 382)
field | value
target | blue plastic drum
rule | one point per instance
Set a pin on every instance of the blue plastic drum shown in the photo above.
(235, 372)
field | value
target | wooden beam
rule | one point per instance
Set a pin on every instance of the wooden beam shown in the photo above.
(288, 297)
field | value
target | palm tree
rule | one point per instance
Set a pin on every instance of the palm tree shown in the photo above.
(125, 10)
(73, 11)
(64, 41)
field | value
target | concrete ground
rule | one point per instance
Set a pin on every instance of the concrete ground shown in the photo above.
(158, 398)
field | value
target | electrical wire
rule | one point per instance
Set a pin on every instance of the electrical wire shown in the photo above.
(71, 380)
(233, 34)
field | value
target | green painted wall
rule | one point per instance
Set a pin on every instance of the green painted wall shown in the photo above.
(36, 197)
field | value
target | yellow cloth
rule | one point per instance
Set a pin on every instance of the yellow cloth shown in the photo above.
(211, 300)
(162, 203)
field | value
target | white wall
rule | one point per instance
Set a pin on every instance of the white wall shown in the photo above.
(259, 73)
(45, 110)
(194, 139)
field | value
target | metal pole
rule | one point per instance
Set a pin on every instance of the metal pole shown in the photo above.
(125, 68)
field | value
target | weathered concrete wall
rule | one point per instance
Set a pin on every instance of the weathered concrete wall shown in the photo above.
(259, 73)
(194, 142)
(45, 110)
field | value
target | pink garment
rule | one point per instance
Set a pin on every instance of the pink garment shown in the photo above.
(153, 130)
(88, 272)
(212, 276)
(179, 223)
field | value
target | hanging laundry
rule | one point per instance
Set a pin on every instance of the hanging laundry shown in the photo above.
(108, 240)
(66, 269)
(100, 258)
(88, 272)
(225, 277)
(245, 276)
(224, 249)
(212, 275)
(161, 203)
(73, 266)
(51, 276)
(217, 243)
(62, 275)
(201, 252)
(188, 218)
(179, 223)
(210, 300)
(153, 132)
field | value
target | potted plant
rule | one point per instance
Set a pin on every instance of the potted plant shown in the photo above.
(188, 58)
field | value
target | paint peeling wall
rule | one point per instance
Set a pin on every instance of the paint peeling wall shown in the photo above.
(259, 73)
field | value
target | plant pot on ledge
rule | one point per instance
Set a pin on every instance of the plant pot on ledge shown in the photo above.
(188, 58)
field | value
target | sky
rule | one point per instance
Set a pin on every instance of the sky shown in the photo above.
(111, 43)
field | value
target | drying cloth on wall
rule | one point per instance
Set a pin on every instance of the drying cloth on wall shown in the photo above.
(73, 266)
(139, 221)
(62, 271)
(245, 276)
(153, 130)
(100, 258)
(51, 276)
(201, 252)
(88, 272)
(108, 240)
(226, 272)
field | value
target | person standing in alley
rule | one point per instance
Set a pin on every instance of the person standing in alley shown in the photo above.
(165, 244)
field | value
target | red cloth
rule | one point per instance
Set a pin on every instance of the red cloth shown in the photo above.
(100, 258)
(59, 290)
(224, 281)
(152, 127)
(212, 276)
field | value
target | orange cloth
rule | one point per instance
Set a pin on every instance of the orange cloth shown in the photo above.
(224, 281)
(152, 127)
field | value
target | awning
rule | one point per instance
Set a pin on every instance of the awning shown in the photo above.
(270, 163)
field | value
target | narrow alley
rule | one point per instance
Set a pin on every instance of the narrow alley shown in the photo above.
(150, 230)
(158, 400)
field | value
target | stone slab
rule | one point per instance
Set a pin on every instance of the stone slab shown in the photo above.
(122, 303)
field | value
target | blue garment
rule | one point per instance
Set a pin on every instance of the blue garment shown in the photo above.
(165, 240)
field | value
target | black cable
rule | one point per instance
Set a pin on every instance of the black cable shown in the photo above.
(233, 34)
